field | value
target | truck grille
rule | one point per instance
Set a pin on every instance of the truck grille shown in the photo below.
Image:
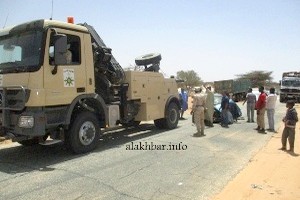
(290, 90)
(13, 97)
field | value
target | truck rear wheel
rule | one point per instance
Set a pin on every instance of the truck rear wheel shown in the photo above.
(171, 119)
(83, 136)
(172, 116)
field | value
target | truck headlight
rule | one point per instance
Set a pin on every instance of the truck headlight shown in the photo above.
(26, 122)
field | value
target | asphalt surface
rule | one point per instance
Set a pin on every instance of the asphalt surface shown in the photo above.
(126, 166)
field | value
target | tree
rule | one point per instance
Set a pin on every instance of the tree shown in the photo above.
(190, 78)
(257, 78)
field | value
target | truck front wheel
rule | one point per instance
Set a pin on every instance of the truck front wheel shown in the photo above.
(83, 136)
(172, 116)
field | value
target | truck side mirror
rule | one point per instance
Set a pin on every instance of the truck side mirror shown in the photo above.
(280, 83)
(60, 48)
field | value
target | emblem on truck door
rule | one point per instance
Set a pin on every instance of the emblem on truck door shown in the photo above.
(69, 80)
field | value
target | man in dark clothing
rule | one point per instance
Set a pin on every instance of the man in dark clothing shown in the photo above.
(224, 107)
(290, 121)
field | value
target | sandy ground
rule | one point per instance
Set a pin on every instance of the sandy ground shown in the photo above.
(271, 174)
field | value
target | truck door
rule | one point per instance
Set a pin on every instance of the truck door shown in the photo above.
(64, 82)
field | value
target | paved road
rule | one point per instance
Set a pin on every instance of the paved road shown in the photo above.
(198, 169)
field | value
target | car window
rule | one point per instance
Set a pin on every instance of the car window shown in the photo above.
(217, 99)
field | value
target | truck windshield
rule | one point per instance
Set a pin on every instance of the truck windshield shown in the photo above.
(20, 52)
(291, 83)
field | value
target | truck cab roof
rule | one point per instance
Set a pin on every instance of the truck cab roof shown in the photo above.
(42, 24)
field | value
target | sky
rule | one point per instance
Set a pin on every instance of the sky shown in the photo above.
(218, 39)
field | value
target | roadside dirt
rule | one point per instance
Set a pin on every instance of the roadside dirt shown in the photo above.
(271, 174)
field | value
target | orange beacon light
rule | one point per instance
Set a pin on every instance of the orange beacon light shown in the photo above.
(71, 20)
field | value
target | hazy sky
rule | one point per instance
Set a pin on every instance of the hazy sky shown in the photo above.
(216, 38)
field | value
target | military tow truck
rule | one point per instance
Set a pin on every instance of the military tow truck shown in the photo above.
(59, 80)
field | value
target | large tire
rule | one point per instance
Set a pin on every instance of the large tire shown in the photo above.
(84, 134)
(172, 116)
(151, 58)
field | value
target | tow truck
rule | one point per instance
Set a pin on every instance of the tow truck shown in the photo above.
(59, 80)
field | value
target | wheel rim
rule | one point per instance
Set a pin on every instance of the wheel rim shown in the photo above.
(173, 116)
(87, 133)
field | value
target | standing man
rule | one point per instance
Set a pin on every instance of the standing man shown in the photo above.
(224, 107)
(261, 108)
(290, 120)
(198, 112)
(270, 106)
(183, 98)
(251, 101)
(210, 106)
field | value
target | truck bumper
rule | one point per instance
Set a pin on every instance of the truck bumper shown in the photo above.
(289, 96)
(30, 123)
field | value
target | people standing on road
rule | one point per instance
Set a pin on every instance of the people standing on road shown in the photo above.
(198, 112)
(183, 98)
(224, 107)
(251, 101)
(270, 107)
(290, 120)
(210, 107)
(261, 109)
